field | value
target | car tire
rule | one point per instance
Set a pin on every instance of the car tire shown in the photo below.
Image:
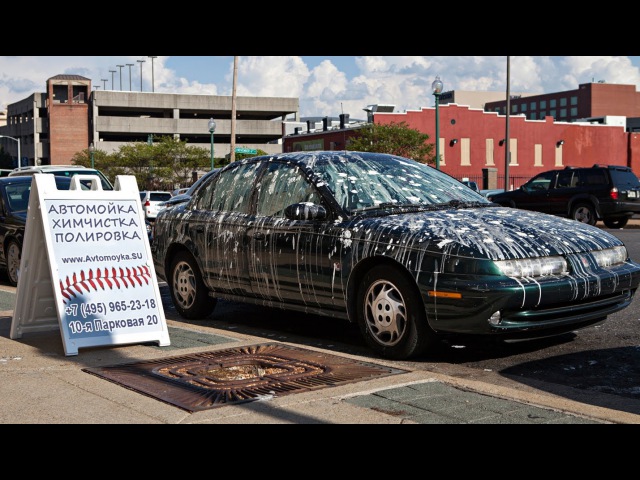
(188, 292)
(13, 253)
(391, 315)
(585, 213)
(616, 222)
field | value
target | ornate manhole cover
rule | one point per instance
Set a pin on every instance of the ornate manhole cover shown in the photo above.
(213, 379)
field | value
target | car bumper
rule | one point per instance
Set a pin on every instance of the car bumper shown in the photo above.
(528, 308)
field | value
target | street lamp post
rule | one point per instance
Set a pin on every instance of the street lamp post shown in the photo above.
(141, 62)
(92, 151)
(120, 67)
(112, 76)
(153, 85)
(130, 65)
(436, 87)
(17, 140)
(104, 83)
(212, 128)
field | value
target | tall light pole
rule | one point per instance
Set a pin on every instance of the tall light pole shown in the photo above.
(212, 128)
(17, 140)
(120, 67)
(141, 62)
(92, 151)
(507, 150)
(436, 87)
(113, 87)
(104, 83)
(153, 86)
(130, 65)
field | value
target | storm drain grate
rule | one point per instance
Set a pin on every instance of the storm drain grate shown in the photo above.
(208, 380)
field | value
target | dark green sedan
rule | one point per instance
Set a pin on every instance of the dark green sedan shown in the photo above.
(407, 252)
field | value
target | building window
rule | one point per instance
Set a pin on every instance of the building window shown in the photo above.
(543, 114)
(533, 115)
(543, 104)
(574, 112)
(574, 100)
(563, 102)
(563, 112)
(534, 105)
(514, 108)
(552, 113)
(552, 103)
(523, 107)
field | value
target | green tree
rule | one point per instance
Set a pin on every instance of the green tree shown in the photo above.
(393, 138)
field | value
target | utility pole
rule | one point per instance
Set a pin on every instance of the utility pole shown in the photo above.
(232, 153)
(130, 65)
(120, 67)
(141, 62)
(153, 84)
(507, 149)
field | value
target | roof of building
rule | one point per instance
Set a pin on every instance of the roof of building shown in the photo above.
(69, 77)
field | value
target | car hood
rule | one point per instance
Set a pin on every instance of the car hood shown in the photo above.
(495, 233)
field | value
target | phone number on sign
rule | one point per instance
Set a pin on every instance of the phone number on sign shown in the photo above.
(87, 309)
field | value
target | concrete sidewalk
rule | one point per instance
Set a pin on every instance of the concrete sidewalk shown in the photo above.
(40, 385)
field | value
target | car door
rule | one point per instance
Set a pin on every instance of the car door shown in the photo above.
(218, 225)
(535, 193)
(561, 193)
(287, 262)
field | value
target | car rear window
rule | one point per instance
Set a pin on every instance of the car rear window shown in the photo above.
(159, 196)
(624, 178)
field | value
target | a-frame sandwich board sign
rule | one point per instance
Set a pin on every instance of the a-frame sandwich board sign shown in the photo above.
(86, 266)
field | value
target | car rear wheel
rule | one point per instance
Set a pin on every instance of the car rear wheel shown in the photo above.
(189, 294)
(585, 213)
(391, 315)
(13, 262)
(616, 222)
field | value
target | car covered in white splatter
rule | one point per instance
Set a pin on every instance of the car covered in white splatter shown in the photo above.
(404, 250)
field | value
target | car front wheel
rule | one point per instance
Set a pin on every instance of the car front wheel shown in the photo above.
(585, 213)
(13, 262)
(391, 316)
(188, 292)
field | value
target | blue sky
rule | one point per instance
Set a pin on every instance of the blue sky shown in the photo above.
(326, 86)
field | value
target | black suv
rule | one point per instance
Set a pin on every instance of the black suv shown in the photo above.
(609, 193)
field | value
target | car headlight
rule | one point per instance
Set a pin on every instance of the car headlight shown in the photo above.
(610, 256)
(532, 267)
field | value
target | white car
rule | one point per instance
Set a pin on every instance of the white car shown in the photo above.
(63, 171)
(151, 200)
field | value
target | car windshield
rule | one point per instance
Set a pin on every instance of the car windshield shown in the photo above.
(376, 182)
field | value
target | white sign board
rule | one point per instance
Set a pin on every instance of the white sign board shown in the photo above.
(86, 266)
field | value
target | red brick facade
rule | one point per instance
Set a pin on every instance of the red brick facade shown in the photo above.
(68, 116)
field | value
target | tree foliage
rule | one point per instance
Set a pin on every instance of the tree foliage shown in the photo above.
(165, 164)
(395, 138)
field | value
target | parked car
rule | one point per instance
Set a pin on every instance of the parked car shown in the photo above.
(179, 191)
(63, 171)
(609, 193)
(471, 184)
(400, 248)
(183, 197)
(151, 200)
(14, 200)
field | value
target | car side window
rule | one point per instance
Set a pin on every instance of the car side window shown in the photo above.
(281, 186)
(541, 182)
(230, 191)
(567, 179)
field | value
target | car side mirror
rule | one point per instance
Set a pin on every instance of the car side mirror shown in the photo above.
(305, 211)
